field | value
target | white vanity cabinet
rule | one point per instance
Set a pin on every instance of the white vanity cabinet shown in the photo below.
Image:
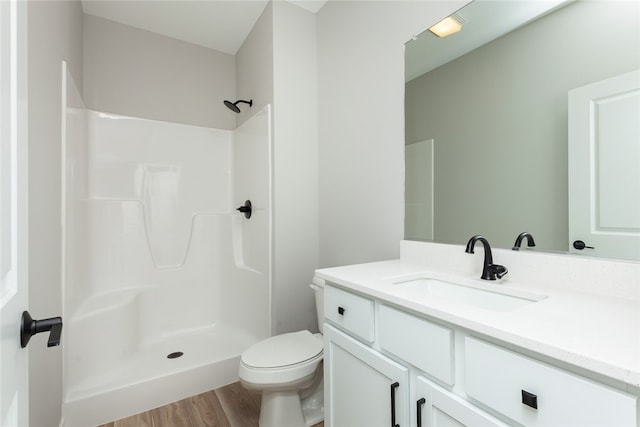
(350, 312)
(386, 367)
(362, 387)
(536, 394)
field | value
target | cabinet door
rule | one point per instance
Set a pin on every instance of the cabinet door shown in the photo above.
(362, 387)
(437, 407)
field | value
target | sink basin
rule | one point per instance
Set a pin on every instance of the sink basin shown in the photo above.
(488, 297)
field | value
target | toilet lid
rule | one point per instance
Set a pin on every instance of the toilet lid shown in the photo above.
(283, 350)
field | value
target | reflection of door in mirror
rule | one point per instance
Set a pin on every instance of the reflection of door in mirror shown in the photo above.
(604, 157)
(418, 224)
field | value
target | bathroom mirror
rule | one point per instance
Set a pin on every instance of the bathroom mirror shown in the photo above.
(486, 126)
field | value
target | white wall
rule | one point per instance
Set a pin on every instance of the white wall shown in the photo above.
(254, 66)
(54, 34)
(296, 166)
(142, 74)
(277, 64)
(361, 123)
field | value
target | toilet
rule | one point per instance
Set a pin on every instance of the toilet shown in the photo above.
(287, 369)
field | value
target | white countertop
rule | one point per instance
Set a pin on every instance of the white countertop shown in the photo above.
(597, 332)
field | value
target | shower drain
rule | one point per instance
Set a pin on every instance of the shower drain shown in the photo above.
(174, 355)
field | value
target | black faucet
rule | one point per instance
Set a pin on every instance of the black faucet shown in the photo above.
(490, 271)
(530, 242)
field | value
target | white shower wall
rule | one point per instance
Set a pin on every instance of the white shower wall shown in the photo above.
(157, 259)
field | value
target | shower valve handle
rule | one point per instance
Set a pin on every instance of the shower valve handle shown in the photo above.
(29, 327)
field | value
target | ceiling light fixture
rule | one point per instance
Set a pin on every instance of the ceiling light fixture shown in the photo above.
(449, 25)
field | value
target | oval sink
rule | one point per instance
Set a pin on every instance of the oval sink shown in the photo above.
(488, 299)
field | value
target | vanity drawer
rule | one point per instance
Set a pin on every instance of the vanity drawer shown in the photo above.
(425, 345)
(503, 380)
(350, 312)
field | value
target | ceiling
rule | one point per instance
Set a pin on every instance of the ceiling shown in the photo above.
(222, 25)
(484, 21)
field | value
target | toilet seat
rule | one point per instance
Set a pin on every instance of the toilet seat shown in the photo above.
(283, 350)
(282, 359)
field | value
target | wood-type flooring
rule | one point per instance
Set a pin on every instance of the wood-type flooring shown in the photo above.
(229, 406)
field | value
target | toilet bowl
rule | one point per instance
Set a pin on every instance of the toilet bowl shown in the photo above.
(287, 370)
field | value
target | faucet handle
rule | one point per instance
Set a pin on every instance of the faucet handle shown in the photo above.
(499, 270)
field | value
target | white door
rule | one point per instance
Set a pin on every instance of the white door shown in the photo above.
(13, 213)
(604, 168)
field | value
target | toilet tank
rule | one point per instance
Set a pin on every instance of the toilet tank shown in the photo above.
(318, 291)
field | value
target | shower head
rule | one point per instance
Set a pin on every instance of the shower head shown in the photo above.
(233, 106)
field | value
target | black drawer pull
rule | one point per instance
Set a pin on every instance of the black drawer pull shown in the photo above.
(529, 399)
(419, 405)
(394, 386)
(341, 310)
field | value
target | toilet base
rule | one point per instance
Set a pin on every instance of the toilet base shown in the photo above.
(294, 408)
(281, 408)
(313, 406)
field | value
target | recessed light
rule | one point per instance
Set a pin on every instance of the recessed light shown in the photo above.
(449, 25)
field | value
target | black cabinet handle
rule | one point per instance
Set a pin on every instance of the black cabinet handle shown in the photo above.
(529, 399)
(30, 327)
(419, 405)
(341, 310)
(394, 386)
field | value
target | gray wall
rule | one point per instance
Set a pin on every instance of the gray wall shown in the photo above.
(499, 119)
(54, 34)
(142, 74)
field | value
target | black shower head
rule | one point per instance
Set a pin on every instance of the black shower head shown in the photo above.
(233, 106)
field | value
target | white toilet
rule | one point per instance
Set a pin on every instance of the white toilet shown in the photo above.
(287, 369)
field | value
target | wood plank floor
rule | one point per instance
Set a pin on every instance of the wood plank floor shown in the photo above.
(229, 406)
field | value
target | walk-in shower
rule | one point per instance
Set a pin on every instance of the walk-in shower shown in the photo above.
(165, 282)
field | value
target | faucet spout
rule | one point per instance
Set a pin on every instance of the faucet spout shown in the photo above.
(520, 238)
(490, 271)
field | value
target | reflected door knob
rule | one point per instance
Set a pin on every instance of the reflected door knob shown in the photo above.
(580, 245)
(246, 209)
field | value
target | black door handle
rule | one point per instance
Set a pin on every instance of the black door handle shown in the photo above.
(580, 245)
(246, 209)
(30, 327)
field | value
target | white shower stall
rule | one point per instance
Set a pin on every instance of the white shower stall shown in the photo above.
(165, 283)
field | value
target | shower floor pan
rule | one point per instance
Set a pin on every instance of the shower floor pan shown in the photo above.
(148, 378)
